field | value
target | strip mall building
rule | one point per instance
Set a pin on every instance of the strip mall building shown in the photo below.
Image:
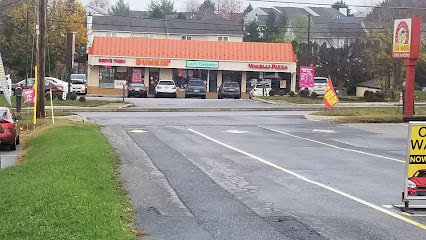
(114, 61)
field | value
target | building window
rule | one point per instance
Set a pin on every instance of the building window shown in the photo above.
(148, 36)
(107, 75)
(111, 34)
(186, 38)
(223, 39)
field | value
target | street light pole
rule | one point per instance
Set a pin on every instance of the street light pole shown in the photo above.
(308, 52)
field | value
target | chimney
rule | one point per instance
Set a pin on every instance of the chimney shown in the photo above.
(344, 11)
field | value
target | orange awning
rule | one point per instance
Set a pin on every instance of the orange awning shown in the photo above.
(193, 50)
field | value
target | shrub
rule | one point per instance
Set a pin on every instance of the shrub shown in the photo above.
(366, 93)
(82, 99)
(71, 96)
(59, 96)
(47, 95)
(304, 93)
(371, 96)
(281, 93)
(291, 94)
(380, 95)
(314, 95)
(272, 93)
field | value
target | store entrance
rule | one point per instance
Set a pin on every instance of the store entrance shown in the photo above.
(154, 76)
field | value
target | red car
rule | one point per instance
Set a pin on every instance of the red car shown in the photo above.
(9, 128)
(417, 184)
(56, 89)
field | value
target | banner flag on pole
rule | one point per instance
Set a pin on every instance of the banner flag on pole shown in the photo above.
(3, 83)
(330, 97)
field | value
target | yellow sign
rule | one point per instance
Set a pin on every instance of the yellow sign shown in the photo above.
(416, 163)
(35, 96)
(401, 48)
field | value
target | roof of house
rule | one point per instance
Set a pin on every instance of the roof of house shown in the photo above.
(171, 26)
(191, 49)
(371, 84)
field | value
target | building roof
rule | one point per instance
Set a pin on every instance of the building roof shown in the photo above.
(371, 84)
(171, 26)
(191, 49)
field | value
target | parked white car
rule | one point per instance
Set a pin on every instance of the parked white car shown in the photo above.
(260, 90)
(165, 88)
(78, 86)
(320, 85)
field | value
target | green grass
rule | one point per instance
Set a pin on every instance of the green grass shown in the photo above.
(368, 115)
(66, 188)
(308, 100)
(57, 102)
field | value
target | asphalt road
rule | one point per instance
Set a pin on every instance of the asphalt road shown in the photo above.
(262, 175)
(191, 103)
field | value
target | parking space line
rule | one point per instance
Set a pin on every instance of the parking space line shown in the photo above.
(368, 204)
(334, 146)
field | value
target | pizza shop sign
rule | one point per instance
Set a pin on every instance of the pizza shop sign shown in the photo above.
(268, 66)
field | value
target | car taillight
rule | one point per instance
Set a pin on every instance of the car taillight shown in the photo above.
(158, 87)
(205, 89)
(6, 126)
(130, 88)
(144, 88)
(173, 87)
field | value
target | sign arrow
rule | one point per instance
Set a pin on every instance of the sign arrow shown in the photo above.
(234, 131)
(323, 131)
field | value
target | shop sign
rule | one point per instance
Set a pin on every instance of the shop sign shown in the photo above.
(415, 170)
(153, 62)
(406, 38)
(202, 64)
(137, 75)
(306, 77)
(118, 84)
(111, 60)
(268, 66)
(283, 83)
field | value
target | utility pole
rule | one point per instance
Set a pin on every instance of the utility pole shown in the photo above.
(41, 58)
(308, 51)
(26, 54)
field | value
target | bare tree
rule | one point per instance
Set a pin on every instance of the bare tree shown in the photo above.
(191, 6)
(225, 8)
(104, 4)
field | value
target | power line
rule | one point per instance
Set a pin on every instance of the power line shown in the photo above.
(9, 4)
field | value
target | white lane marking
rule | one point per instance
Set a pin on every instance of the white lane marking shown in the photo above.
(387, 206)
(138, 131)
(234, 131)
(371, 205)
(323, 131)
(334, 146)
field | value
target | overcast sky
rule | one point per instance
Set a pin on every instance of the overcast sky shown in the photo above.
(179, 4)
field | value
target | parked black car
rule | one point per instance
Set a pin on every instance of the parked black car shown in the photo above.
(230, 90)
(196, 88)
(137, 89)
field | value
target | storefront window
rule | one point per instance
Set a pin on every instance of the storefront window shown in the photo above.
(182, 76)
(232, 76)
(108, 74)
(138, 75)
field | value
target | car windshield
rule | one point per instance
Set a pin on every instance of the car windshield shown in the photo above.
(137, 85)
(422, 174)
(77, 82)
(78, 76)
(322, 80)
(166, 83)
(196, 83)
(230, 84)
(3, 114)
(30, 82)
(261, 86)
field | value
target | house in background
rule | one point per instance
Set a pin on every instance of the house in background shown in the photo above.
(374, 85)
(137, 25)
(328, 25)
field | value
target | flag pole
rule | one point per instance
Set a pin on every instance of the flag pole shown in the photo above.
(35, 97)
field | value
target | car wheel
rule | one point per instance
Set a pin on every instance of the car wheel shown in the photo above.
(175, 95)
(203, 97)
(12, 146)
(18, 141)
(219, 97)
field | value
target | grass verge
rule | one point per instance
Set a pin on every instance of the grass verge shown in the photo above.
(65, 188)
(368, 115)
(57, 102)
